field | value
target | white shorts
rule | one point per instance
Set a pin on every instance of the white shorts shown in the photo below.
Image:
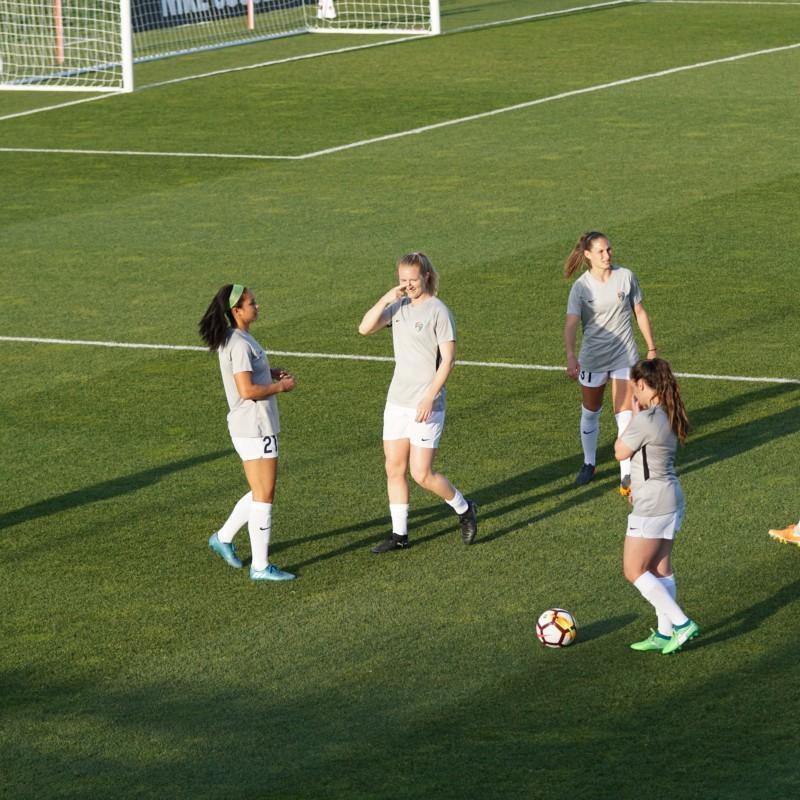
(399, 423)
(594, 379)
(664, 526)
(255, 448)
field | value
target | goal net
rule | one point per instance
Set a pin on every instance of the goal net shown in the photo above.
(91, 45)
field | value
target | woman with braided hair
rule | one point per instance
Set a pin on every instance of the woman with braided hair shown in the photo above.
(250, 387)
(650, 442)
(602, 300)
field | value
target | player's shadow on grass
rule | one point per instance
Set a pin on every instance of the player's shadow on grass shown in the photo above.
(603, 627)
(549, 481)
(701, 450)
(106, 490)
(747, 619)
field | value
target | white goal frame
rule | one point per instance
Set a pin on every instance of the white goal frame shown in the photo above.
(129, 40)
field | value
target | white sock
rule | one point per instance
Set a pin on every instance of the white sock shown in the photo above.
(664, 625)
(237, 520)
(458, 503)
(259, 526)
(623, 419)
(399, 512)
(590, 430)
(657, 594)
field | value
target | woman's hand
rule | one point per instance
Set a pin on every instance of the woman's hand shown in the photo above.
(286, 382)
(573, 367)
(424, 410)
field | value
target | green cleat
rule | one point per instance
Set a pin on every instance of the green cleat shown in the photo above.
(655, 641)
(680, 636)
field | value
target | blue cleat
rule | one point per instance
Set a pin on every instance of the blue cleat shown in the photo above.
(270, 573)
(225, 551)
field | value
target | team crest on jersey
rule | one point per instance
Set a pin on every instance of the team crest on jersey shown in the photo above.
(621, 296)
(418, 326)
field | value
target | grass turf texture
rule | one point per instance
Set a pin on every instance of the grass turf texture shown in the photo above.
(136, 664)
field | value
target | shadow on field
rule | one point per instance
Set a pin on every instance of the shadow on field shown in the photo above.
(535, 727)
(603, 627)
(748, 619)
(532, 488)
(104, 491)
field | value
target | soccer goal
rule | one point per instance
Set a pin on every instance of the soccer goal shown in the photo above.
(92, 45)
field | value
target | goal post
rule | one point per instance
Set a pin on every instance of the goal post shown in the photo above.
(92, 45)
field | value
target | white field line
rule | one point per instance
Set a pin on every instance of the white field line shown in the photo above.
(352, 357)
(424, 128)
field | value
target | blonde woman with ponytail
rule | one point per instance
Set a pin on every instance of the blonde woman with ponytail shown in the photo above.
(650, 441)
(602, 301)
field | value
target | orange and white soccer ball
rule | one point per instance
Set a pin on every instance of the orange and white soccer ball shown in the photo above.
(556, 628)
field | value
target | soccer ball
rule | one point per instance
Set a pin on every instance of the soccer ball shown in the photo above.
(556, 628)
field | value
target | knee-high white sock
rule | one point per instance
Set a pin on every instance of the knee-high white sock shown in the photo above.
(259, 526)
(623, 419)
(664, 625)
(237, 520)
(399, 512)
(457, 502)
(590, 430)
(659, 597)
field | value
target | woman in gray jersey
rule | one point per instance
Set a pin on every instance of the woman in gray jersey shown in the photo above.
(253, 422)
(602, 301)
(424, 338)
(650, 442)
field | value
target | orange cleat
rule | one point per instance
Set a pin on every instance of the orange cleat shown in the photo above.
(790, 535)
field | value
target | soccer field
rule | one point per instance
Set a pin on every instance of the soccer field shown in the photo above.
(135, 664)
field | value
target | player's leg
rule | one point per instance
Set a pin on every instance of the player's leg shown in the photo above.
(646, 559)
(262, 474)
(421, 466)
(592, 389)
(622, 397)
(396, 422)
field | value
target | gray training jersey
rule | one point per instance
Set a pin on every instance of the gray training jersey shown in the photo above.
(251, 418)
(417, 332)
(605, 313)
(655, 486)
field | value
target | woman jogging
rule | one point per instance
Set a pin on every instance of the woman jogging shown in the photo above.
(250, 387)
(424, 338)
(650, 442)
(602, 301)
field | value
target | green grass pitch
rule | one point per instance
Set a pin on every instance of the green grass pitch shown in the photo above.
(135, 664)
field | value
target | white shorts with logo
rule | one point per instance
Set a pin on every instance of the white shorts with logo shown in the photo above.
(594, 379)
(255, 448)
(664, 526)
(399, 423)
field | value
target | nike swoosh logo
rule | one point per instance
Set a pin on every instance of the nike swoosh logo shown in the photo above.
(266, 529)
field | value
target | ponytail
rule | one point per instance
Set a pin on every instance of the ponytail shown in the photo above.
(219, 317)
(576, 258)
(657, 374)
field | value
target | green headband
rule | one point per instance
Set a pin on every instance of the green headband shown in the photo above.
(236, 294)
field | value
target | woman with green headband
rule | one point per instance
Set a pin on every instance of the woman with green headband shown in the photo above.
(253, 422)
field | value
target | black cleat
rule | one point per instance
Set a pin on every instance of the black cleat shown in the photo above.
(394, 542)
(585, 475)
(469, 523)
